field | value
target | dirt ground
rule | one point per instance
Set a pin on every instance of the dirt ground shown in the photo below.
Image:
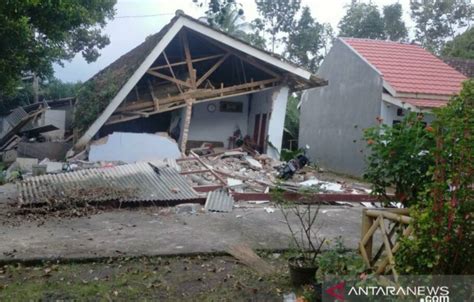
(200, 278)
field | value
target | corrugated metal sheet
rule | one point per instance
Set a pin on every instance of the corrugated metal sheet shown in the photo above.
(219, 201)
(139, 178)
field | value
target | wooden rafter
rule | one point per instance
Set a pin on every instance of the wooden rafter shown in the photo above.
(200, 94)
(148, 106)
(187, 53)
(184, 62)
(212, 69)
(178, 82)
(171, 70)
(153, 97)
(245, 58)
(203, 93)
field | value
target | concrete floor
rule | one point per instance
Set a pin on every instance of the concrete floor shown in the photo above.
(161, 231)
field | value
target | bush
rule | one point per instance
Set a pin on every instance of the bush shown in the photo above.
(443, 241)
(399, 157)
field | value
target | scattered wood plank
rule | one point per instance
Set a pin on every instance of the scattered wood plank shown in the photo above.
(247, 256)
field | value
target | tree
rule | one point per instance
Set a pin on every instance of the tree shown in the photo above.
(24, 94)
(35, 34)
(362, 20)
(462, 46)
(228, 16)
(305, 41)
(394, 27)
(439, 20)
(278, 16)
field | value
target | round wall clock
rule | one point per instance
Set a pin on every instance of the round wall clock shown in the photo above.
(211, 107)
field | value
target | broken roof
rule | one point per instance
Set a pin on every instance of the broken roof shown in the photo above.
(105, 91)
(408, 68)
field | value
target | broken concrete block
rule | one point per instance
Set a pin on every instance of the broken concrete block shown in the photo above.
(253, 162)
(26, 164)
(132, 147)
(187, 208)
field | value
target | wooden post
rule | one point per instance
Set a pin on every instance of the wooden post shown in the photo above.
(366, 224)
(187, 122)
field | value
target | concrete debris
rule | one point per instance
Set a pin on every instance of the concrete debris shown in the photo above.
(133, 147)
(255, 164)
(269, 209)
(187, 208)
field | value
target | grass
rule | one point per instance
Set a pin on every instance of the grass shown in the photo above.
(200, 278)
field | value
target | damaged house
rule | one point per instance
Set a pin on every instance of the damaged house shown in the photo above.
(196, 83)
(40, 130)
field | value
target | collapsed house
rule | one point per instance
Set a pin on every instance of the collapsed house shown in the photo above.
(196, 83)
(40, 130)
(190, 115)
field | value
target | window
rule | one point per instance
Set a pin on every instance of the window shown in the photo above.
(226, 106)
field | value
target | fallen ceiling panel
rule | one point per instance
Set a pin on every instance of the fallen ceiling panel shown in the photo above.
(133, 182)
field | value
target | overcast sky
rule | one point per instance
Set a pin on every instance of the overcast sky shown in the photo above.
(127, 31)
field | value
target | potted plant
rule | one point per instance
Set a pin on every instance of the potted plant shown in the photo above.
(301, 221)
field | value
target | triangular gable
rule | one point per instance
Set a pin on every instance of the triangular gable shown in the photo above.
(170, 31)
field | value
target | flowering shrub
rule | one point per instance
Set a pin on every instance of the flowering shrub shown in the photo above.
(399, 157)
(443, 241)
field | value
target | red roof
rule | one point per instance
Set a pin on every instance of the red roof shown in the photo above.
(409, 68)
(424, 103)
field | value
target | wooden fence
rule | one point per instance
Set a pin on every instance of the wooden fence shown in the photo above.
(392, 225)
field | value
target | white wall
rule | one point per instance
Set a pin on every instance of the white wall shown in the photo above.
(261, 104)
(218, 126)
(389, 114)
(277, 121)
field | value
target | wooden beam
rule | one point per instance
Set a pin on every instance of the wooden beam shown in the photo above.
(212, 69)
(187, 122)
(171, 79)
(245, 58)
(184, 62)
(155, 100)
(171, 70)
(187, 53)
(203, 93)
(208, 94)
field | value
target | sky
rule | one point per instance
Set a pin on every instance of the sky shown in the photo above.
(126, 31)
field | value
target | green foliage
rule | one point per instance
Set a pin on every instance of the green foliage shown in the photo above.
(48, 90)
(93, 97)
(292, 118)
(399, 157)
(278, 16)
(228, 16)
(21, 96)
(35, 34)
(462, 46)
(287, 154)
(338, 261)
(443, 241)
(394, 27)
(438, 20)
(362, 20)
(56, 89)
(305, 41)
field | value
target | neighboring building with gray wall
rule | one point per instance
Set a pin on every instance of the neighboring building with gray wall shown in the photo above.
(368, 79)
(332, 117)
